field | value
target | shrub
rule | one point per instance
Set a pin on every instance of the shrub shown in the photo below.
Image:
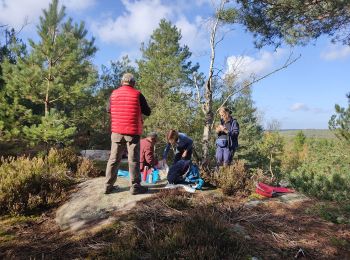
(78, 166)
(52, 129)
(234, 178)
(86, 168)
(324, 173)
(29, 184)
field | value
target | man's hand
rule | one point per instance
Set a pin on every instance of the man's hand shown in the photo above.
(161, 164)
(184, 154)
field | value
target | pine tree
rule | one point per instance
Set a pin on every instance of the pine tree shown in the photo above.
(295, 21)
(299, 141)
(13, 113)
(272, 147)
(165, 74)
(58, 71)
(340, 122)
(52, 129)
(112, 75)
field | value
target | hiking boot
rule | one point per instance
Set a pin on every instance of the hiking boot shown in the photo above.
(138, 189)
(111, 189)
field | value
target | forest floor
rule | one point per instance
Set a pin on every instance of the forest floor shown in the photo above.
(174, 224)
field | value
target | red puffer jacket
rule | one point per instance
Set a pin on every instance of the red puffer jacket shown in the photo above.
(126, 111)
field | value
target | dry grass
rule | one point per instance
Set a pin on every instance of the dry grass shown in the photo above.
(177, 225)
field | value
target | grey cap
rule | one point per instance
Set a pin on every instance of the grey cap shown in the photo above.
(152, 134)
(128, 78)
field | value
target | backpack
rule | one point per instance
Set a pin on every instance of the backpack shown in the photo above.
(193, 176)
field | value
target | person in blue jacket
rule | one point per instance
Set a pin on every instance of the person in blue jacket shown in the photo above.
(181, 142)
(227, 137)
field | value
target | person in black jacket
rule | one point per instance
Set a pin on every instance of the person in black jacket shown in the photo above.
(227, 140)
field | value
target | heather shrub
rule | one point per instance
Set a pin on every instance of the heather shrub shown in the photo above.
(66, 155)
(78, 167)
(234, 178)
(86, 168)
(29, 184)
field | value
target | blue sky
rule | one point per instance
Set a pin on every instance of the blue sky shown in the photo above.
(299, 97)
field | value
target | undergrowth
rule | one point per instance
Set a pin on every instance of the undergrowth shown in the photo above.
(234, 179)
(32, 184)
(174, 226)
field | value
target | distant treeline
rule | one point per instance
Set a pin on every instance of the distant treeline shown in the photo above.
(316, 133)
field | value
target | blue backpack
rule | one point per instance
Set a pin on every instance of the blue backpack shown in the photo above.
(193, 176)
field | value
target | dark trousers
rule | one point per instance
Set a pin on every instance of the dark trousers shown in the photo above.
(178, 155)
(224, 156)
(119, 143)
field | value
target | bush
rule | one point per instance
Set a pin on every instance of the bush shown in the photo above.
(234, 178)
(78, 166)
(86, 168)
(30, 184)
(324, 173)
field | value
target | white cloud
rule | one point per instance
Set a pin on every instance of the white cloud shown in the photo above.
(15, 13)
(141, 18)
(336, 52)
(192, 34)
(299, 107)
(135, 25)
(78, 5)
(247, 66)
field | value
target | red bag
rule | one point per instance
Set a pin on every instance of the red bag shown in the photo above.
(271, 191)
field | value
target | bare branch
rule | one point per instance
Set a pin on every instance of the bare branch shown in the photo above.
(285, 65)
(56, 99)
(23, 25)
(222, 37)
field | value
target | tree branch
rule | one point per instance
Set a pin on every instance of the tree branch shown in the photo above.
(285, 65)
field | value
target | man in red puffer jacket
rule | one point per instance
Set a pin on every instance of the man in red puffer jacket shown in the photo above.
(126, 106)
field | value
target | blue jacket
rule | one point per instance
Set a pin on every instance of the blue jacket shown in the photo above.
(182, 143)
(233, 133)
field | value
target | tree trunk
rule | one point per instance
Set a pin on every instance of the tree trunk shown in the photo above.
(208, 93)
(272, 174)
(47, 102)
(207, 134)
(49, 79)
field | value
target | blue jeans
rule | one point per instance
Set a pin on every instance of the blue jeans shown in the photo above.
(224, 156)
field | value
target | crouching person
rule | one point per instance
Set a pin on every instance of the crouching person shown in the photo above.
(177, 172)
(148, 160)
(184, 172)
